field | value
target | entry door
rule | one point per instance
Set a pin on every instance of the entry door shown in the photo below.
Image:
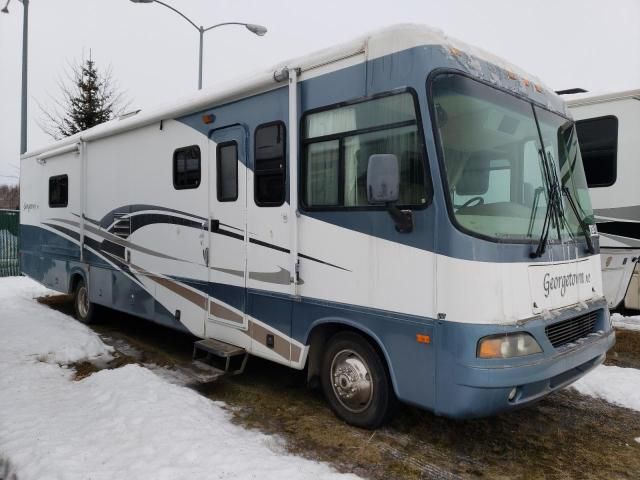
(227, 231)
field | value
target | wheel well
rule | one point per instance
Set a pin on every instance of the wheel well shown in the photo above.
(73, 282)
(319, 337)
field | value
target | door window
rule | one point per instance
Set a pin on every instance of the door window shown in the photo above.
(227, 171)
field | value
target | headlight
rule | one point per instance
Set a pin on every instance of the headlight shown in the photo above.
(507, 345)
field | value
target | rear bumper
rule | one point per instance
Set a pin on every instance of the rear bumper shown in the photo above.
(473, 387)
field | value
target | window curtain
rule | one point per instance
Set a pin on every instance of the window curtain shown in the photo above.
(322, 173)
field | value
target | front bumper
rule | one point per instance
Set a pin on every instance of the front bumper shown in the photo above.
(468, 387)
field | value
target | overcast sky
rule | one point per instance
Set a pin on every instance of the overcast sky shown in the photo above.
(593, 44)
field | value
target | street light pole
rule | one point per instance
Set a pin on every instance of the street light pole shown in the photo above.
(200, 54)
(25, 40)
(253, 28)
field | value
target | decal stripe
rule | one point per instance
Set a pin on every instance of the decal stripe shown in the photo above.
(66, 231)
(280, 345)
(302, 255)
(269, 245)
(156, 218)
(227, 233)
(223, 312)
(144, 219)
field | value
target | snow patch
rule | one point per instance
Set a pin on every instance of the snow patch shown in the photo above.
(625, 323)
(122, 423)
(620, 386)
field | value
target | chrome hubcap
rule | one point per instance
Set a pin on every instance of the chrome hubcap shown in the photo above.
(83, 302)
(351, 381)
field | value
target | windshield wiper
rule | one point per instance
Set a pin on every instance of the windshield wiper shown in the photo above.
(534, 209)
(583, 225)
(552, 208)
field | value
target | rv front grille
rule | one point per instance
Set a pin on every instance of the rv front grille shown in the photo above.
(568, 331)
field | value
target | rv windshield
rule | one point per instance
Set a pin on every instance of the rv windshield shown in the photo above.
(494, 167)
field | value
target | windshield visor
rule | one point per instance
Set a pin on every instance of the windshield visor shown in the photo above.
(497, 180)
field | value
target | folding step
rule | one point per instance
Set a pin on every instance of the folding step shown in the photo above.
(204, 373)
(220, 355)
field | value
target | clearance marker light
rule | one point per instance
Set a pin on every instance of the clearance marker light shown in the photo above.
(208, 118)
(420, 338)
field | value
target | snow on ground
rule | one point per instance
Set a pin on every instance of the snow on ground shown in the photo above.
(620, 386)
(122, 423)
(625, 323)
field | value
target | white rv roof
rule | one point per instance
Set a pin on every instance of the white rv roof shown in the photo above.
(589, 98)
(373, 45)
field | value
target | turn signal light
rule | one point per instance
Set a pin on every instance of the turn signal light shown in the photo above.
(490, 348)
(420, 338)
(508, 345)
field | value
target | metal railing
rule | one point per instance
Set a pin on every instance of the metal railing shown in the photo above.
(9, 243)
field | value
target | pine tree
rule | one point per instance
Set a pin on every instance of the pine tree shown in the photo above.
(89, 98)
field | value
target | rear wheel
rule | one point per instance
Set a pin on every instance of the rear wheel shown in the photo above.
(85, 310)
(355, 381)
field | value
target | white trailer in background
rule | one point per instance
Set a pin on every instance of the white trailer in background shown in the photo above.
(609, 135)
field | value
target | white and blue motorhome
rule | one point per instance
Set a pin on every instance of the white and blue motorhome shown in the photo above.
(404, 216)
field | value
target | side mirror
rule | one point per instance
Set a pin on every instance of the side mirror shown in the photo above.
(383, 178)
(383, 187)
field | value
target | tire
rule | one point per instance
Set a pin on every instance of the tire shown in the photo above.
(355, 381)
(85, 310)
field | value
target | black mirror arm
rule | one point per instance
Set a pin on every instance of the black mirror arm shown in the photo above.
(402, 218)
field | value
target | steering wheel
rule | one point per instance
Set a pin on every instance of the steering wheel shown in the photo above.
(477, 200)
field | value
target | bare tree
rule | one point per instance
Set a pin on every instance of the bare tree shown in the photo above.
(10, 197)
(88, 98)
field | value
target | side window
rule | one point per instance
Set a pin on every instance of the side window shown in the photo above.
(227, 171)
(339, 141)
(58, 191)
(598, 139)
(186, 168)
(270, 164)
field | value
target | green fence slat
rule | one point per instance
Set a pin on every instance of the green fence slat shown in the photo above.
(9, 243)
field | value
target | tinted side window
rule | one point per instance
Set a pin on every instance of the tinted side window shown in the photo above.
(227, 171)
(338, 142)
(270, 164)
(58, 191)
(598, 139)
(186, 167)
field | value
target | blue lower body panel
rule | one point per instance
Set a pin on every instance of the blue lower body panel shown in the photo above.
(469, 387)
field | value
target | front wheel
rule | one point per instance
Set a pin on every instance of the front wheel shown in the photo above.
(85, 310)
(355, 381)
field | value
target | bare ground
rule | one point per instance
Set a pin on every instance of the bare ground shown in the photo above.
(565, 436)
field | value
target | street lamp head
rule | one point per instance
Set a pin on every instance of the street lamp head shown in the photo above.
(257, 29)
(6, 7)
(142, 1)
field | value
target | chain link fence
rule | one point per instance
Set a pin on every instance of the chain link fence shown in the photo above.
(9, 243)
